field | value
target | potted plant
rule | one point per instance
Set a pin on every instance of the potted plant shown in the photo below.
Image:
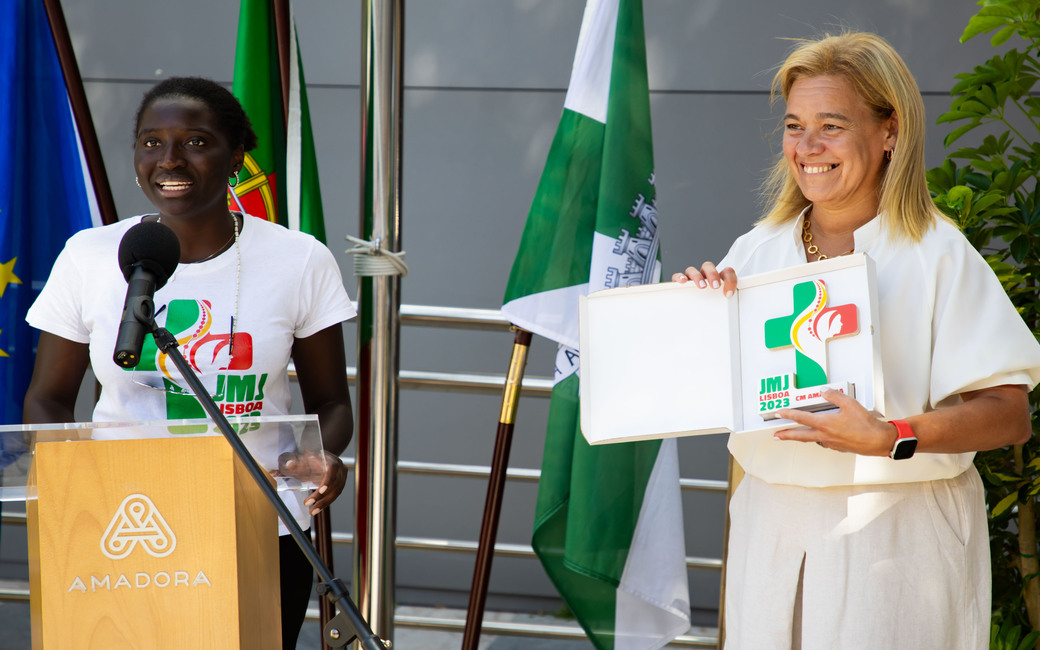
(990, 189)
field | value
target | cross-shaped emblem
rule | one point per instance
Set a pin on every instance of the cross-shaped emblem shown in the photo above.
(808, 329)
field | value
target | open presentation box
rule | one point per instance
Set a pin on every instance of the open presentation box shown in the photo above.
(666, 360)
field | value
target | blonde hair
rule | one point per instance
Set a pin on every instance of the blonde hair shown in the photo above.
(880, 77)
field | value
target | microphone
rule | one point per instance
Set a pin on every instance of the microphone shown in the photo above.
(148, 256)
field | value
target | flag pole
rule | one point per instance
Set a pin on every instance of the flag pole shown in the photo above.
(281, 31)
(323, 520)
(322, 536)
(81, 111)
(496, 487)
(379, 307)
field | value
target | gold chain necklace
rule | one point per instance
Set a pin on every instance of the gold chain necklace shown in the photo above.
(220, 249)
(812, 248)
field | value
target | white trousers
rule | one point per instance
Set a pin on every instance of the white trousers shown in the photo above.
(873, 567)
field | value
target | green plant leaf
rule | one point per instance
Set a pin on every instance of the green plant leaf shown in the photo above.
(1023, 174)
(966, 81)
(1033, 490)
(1005, 505)
(988, 95)
(1003, 35)
(976, 180)
(1033, 106)
(1004, 478)
(976, 103)
(959, 197)
(939, 180)
(1002, 182)
(980, 24)
(1030, 640)
(991, 165)
(954, 116)
(1020, 248)
(953, 135)
(988, 199)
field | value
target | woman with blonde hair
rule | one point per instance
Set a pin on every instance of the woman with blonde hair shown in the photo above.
(880, 540)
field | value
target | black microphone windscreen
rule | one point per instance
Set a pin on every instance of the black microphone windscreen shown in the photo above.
(152, 246)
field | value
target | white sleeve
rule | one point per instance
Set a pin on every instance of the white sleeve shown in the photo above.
(323, 299)
(979, 340)
(59, 307)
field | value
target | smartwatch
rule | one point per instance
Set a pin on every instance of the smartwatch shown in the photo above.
(906, 441)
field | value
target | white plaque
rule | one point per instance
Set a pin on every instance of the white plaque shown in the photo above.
(665, 360)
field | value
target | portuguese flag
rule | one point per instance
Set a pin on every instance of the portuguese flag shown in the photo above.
(279, 181)
(608, 520)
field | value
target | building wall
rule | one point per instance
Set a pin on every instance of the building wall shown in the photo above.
(485, 81)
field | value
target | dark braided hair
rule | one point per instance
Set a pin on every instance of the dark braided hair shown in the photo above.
(231, 118)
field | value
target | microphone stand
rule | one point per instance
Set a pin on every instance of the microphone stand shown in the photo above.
(348, 624)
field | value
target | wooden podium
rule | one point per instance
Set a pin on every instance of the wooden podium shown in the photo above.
(152, 543)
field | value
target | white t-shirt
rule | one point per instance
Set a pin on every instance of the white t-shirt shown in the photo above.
(289, 286)
(947, 327)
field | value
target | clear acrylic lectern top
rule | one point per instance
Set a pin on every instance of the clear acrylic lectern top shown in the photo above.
(272, 440)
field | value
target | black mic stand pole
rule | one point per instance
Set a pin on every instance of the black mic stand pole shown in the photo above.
(348, 624)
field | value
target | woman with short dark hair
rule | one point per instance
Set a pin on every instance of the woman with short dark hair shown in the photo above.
(247, 296)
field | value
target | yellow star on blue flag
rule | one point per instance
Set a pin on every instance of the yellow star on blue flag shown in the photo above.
(7, 276)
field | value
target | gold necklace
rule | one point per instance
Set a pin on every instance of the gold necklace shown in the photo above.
(812, 248)
(220, 249)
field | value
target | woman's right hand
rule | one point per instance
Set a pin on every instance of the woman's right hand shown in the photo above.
(709, 276)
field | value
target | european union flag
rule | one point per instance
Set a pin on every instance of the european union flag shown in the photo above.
(43, 189)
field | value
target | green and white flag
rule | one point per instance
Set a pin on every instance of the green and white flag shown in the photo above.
(608, 524)
(279, 179)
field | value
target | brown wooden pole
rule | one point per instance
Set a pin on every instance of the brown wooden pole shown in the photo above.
(81, 111)
(323, 545)
(281, 31)
(496, 486)
(323, 520)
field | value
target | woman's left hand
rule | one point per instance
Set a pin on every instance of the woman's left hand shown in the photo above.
(308, 467)
(331, 484)
(849, 429)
